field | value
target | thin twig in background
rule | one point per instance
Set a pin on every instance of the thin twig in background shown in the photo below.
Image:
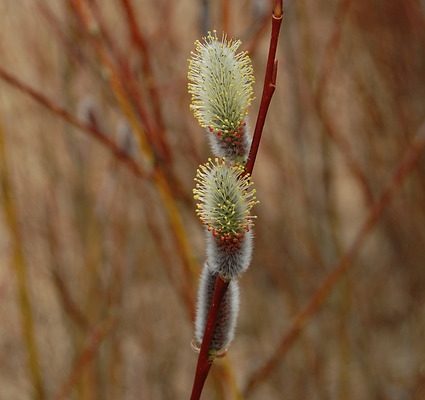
(409, 161)
(324, 74)
(95, 339)
(121, 156)
(68, 304)
(20, 268)
(225, 16)
(258, 29)
(84, 15)
(159, 177)
(40, 98)
(154, 125)
(125, 87)
(140, 42)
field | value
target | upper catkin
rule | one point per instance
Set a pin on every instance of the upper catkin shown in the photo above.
(226, 321)
(221, 84)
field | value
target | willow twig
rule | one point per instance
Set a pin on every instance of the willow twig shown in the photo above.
(269, 86)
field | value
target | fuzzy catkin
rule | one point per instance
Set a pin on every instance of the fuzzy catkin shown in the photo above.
(229, 259)
(226, 321)
(225, 197)
(234, 147)
(221, 84)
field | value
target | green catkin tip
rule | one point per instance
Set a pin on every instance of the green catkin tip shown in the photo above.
(225, 198)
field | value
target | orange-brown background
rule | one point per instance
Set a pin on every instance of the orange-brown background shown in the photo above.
(95, 257)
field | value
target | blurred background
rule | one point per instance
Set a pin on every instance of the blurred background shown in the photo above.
(100, 248)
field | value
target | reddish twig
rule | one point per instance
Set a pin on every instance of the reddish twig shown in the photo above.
(269, 86)
(77, 55)
(40, 98)
(205, 359)
(89, 16)
(19, 266)
(85, 358)
(70, 307)
(225, 16)
(406, 165)
(140, 42)
(325, 71)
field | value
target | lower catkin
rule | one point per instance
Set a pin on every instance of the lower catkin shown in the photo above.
(227, 316)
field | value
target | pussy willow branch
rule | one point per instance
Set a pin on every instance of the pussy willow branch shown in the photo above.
(204, 359)
(409, 161)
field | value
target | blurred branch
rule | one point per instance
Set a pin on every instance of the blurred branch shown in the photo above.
(69, 306)
(145, 56)
(331, 48)
(56, 26)
(324, 74)
(20, 269)
(260, 30)
(40, 98)
(121, 156)
(205, 16)
(410, 160)
(159, 178)
(225, 16)
(182, 286)
(97, 336)
(91, 26)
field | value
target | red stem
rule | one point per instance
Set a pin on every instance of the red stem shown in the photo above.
(268, 88)
(204, 359)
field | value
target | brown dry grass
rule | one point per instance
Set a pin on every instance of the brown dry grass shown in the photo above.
(109, 278)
